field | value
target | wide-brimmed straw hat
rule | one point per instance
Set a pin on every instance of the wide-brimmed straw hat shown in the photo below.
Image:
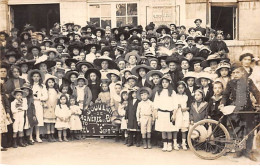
(152, 73)
(142, 89)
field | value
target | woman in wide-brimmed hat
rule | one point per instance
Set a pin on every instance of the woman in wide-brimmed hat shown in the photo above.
(25, 66)
(99, 33)
(71, 63)
(83, 66)
(163, 29)
(105, 63)
(44, 65)
(122, 35)
(61, 39)
(200, 41)
(11, 56)
(52, 53)
(91, 49)
(25, 37)
(75, 48)
(141, 71)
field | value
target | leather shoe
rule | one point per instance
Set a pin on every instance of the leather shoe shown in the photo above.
(251, 156)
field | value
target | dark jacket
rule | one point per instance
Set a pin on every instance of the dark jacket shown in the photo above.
(216, 46)
(31, 112)
(190, 95)
(9, 87)
(214, 111)
(230, 94)
(131, 114)
(140, 84)
(194, 50)
(198, 114)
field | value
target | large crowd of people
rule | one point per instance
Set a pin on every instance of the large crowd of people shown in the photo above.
(158, 80)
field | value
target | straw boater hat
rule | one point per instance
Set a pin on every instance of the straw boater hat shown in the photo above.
(199, 133)
(132, 77)
(80, 63)
(151, 73)
(213, 57)
(49, 77)
(35, 71)
(188, 75)
(115, 72)
(179, 42)
(111, 63)
(28, 86)
(46, 39)
(135, 70)
(132, 53)
(17, 90)
(69, 73)
(167, 77)
(161, 27)
(81, 77)
(70, 60)
(92, 70)
(51, 50)
(44, 60)
(142, 89)
(223, 64)
(203, 75)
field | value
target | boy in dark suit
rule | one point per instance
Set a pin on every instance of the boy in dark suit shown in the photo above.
(237, 93)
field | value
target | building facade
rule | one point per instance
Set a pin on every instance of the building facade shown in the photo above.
(238, 18)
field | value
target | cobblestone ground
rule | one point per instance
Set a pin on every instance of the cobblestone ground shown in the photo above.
(106, 151)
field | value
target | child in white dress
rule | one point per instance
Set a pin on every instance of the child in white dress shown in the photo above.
(163, 111)
(63, 114)
(180, 116)
(75, 122)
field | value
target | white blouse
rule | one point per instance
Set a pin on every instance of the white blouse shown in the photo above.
(164, 101)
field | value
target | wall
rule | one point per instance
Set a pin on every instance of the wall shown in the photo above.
(195, 10)
(75, 12)
(249, 21)
(3, 15)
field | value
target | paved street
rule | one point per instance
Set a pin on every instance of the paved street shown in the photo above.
(105, 151)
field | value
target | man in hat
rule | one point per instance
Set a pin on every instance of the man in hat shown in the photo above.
(198, 26)
(239, 90)
(191, 47)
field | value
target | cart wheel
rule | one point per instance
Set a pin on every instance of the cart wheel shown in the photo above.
(208, 140)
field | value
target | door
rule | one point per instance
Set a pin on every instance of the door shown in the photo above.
(39, 16)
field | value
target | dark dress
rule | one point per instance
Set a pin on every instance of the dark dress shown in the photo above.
(95, 90)
(131, 115)
(140, 84)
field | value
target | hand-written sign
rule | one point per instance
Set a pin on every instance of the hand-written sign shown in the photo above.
(96, 120)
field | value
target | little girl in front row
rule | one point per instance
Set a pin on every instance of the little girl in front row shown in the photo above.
(122, 111)
(199, 109)
(49, 107)
(181, 115)
(75, 122)
(104, 95)
(63, 115)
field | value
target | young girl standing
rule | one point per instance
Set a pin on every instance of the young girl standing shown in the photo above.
(104, 95)
(49, 110)
(181, 115)
(93, 76)
(199, 109)
(36, 78)
(164, 111)
(63, 115)
(121, 111)
(75, 122)
(223, 71)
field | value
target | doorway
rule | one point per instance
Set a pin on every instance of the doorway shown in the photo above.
(39, 16)
(224, 18)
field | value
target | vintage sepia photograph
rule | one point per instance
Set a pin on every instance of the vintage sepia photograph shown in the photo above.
(130, 82)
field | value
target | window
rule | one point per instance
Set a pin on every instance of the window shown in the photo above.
(126, 14)
(224, 18)
(100, 14)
